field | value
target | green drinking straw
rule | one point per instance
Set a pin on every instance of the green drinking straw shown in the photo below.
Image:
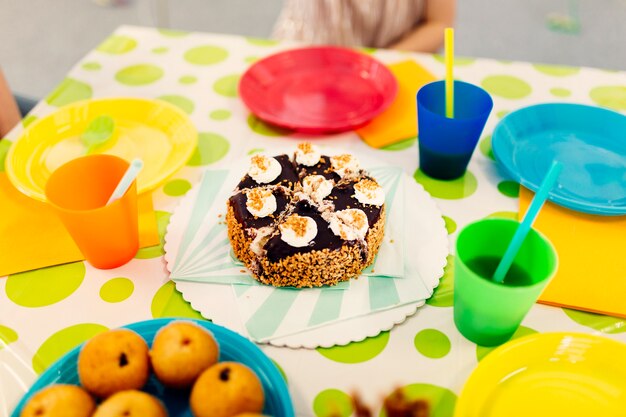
(529, 218)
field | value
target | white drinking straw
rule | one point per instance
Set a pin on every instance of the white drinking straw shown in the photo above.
(127, 179)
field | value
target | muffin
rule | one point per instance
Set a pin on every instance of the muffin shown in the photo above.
(181, 351)
(307, 220)
(225, 390)
(131, 403)
(59, 400)
(112, 361)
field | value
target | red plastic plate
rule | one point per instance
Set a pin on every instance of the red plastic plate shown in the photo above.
(318, 89)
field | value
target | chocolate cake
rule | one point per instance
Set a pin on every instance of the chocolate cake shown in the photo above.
(307, 219)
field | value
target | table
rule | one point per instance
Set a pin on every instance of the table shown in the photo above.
(46, 312)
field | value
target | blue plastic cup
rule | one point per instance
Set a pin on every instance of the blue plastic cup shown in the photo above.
(446, 144)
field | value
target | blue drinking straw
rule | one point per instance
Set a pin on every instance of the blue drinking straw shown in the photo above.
(127, 179)
(529, 218)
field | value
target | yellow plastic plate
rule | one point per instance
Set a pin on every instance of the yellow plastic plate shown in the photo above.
(550, 374)
(157, 132)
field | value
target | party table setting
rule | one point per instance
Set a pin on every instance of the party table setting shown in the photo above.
(490, 270)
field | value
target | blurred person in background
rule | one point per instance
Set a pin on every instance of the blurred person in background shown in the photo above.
(410, 25)
(9, 112)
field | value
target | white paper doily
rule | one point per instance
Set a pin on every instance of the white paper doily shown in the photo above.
(218, 302)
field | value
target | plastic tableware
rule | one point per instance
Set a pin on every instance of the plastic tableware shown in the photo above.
(156, 132)
(318, 89)
(232, 348)
(446, 144)
(106, 234)
(487, 312)
(588, 141)
(546, 375)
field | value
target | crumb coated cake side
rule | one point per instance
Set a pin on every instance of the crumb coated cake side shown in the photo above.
(322, 228)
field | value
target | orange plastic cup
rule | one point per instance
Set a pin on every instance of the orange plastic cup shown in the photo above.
(107, 235)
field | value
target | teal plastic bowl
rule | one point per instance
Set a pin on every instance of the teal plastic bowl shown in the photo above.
(233, 347)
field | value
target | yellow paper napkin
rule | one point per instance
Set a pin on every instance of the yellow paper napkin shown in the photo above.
(399, 120)
(592, 265)
(32, 237)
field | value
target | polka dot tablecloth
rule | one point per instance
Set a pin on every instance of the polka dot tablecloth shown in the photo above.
(46, 312)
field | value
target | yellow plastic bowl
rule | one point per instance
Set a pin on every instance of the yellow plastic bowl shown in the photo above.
(550, 374)
(158, 133)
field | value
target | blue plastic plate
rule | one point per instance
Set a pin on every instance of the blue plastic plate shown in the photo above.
(232, 348)
(589, 141)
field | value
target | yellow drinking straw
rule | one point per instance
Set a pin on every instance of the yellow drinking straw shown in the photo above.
(449, 47)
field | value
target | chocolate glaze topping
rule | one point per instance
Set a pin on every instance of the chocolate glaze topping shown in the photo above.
(247, 219)
(342, 197)
(278, 249)
(287, 178)
(323, 168)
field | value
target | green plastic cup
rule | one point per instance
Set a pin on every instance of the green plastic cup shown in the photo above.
(486, 312)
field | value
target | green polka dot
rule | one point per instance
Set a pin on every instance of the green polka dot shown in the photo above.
(62, 342)
(449, 190)
(503, 215)
(255, 150)
(259, 126)
(332, 402)
(509, 188)
(46, 286)
(251, 59)
(262, 42)
(173, 33)
(116, 290)
(444, 293)
(140, 74)
(400, 146)
(227, 86)
(600, 322)
(450, 224)
(163, 219)
(168, 302)
(357, 352)
(441, 401)
(159, 50)
(188, 79)
(556, 70)
(176, 188)
(482, 351)
(91, 66)
(432, 343)
(68, 92)
(211, 148)
(181, 102)
(26, 121)
(368, 50)
(502, 113)
(206, 55)
(280, 369)
(458, 62)
(485, 147)
(5, 144)
(506, 86)
(7, 336)
(613, 97)
(560, 92)
(220, 114)
(117, 45)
